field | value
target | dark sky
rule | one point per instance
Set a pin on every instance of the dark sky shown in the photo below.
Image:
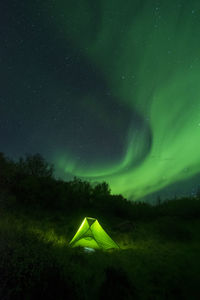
(105, 90)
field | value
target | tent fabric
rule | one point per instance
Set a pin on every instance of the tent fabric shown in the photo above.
(91, 234)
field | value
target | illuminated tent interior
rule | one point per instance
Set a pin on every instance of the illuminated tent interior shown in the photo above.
(91, 235)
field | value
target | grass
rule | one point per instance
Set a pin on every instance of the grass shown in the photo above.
(159, 256)
(159, 259)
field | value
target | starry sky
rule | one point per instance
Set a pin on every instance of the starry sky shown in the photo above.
(104, 90)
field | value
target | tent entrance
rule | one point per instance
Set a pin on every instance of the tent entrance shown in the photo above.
(87, 242)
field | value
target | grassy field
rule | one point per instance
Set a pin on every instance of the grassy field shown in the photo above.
(158, 259)
(159, 255)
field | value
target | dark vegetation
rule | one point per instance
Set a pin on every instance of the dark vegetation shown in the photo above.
(160, 245)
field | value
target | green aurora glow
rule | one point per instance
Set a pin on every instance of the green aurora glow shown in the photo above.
(149, 55)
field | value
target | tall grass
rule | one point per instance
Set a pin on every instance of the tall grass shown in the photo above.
(159, 256)
(36, 261)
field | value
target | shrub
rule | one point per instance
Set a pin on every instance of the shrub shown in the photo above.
(172, 228)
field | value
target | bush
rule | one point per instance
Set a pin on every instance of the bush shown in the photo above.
(172, 228)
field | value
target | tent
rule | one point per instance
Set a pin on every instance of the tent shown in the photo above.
(91, 235)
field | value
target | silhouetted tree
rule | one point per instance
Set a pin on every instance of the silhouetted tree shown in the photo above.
(158, 200)
(7, 170)
(35, 165)
(102, 189)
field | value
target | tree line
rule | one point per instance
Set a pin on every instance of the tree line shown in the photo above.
(30, 182)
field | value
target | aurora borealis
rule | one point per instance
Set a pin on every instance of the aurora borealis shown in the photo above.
(105, 90)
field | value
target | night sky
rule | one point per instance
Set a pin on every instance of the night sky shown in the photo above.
(105, 90)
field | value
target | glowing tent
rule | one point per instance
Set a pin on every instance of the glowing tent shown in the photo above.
(91, 235)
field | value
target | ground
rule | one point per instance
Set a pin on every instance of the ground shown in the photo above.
(158, 259)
